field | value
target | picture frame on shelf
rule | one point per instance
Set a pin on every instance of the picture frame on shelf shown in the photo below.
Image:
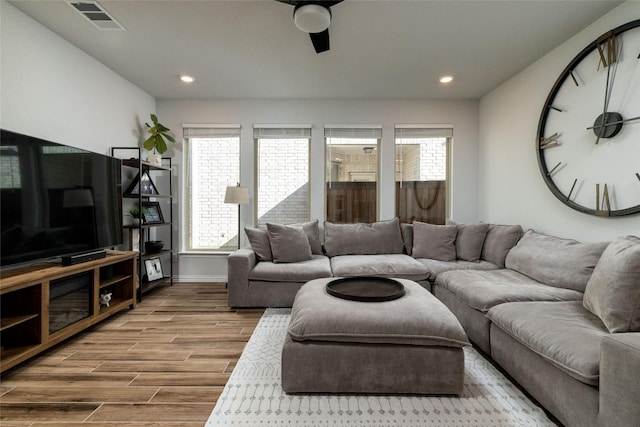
(153, 213)
(147, 185)
(153, 266)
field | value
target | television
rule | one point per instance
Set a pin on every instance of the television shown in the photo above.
(56, 200)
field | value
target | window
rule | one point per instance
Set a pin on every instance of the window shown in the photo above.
(282, 173)
(352, 173)
(421, 173)
(212, 163)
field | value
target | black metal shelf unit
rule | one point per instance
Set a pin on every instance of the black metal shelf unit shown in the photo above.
(148, 185)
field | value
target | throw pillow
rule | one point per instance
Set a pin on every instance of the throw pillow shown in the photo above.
(288, 244)
(499, 241)
(613, 291)
(434, 241)
(259, 241)
(469, 241)
(407, 237)
(382, 237)
(313, 234)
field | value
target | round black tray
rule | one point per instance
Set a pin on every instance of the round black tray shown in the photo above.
(367, 289)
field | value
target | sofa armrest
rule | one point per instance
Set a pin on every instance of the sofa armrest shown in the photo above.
(239, 265)
(620, 380)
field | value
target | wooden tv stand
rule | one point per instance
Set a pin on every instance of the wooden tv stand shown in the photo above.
(30, 322)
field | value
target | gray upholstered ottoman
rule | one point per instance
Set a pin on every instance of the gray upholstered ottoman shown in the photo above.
(411, 345)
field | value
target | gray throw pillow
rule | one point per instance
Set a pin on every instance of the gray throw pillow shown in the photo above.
(382, 237)
(613, 291)
(313, 234)
(469, 241)
(407, 237)
(259, 241)
(499, 241)
(288, 243)
(434, 241)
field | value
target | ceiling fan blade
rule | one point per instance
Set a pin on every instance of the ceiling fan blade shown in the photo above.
(320, 41)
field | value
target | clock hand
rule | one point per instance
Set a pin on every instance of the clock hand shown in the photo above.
(611, 50)
(615, 123)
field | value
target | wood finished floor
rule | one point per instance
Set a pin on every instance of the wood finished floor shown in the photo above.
(163, 364)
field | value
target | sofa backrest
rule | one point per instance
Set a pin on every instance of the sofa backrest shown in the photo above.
(554, 261)
(382, 237)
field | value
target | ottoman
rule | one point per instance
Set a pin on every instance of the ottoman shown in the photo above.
(411, 345)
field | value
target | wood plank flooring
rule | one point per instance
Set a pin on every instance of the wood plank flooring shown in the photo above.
(163, 364)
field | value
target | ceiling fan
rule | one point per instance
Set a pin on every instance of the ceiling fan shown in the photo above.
(313, 17)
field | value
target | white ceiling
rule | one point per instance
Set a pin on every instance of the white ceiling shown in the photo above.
(379, 49)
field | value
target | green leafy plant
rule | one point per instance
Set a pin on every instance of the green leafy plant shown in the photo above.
(159, 136)
(137, 212)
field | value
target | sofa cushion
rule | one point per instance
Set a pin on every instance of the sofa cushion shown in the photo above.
(435, 267)
(469, 241)
(407, 237)
(389, 265)
(563, 263)
(564, 333)
(418, 318)
(434, 241)
(313, 233)
(499, 241)
(315, 268)
(288, 243)
(382, 237)
(484, 289)
(259, 241)
(613, 292)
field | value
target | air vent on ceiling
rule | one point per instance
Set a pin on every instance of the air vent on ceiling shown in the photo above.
(96, 15)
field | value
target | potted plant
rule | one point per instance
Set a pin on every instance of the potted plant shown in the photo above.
(137, 214)
(157, 141)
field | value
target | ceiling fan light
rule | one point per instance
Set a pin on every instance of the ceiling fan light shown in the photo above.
(312, 18)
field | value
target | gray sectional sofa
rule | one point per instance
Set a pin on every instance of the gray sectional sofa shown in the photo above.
(561, 317)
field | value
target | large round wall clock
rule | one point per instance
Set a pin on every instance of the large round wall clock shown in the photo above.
(588, 140)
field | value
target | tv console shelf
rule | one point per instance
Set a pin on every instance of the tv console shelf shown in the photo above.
(47, 303)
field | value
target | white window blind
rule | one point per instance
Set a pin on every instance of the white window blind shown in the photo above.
(422, 131)
(355, 131)
(210, 131)
(281, 131)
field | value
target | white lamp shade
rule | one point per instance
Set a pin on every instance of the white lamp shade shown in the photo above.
(237, 195)
(312, 18)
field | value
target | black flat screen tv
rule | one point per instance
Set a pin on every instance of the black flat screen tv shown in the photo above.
(56, 200)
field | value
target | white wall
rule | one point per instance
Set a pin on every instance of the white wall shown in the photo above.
(52, 90)
(463, 115)
(511, 187)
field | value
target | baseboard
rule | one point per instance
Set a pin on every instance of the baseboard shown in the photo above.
(200, 279)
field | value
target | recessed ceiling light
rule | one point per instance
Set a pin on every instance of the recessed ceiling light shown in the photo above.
(186, 78)
(446, 79)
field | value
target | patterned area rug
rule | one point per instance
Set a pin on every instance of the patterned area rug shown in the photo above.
(253, 396)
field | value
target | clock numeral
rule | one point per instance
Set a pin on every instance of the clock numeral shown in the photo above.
(550, 141)
(574, 78)
(638, 176)
(605, 209)
(556, 108)
(607, 49)
(554, 168)
(575, 181)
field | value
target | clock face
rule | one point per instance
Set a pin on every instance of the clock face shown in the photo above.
(588, 141)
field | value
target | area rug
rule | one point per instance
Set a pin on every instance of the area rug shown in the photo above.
(253, 396)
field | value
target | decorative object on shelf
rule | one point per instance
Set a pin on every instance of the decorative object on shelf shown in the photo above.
(153, 246)
(157, 141)
(142, 185)
(587, 140)
(137, 214)
(154, 269)
(105, 299)
(153, 213)
(237, 195)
